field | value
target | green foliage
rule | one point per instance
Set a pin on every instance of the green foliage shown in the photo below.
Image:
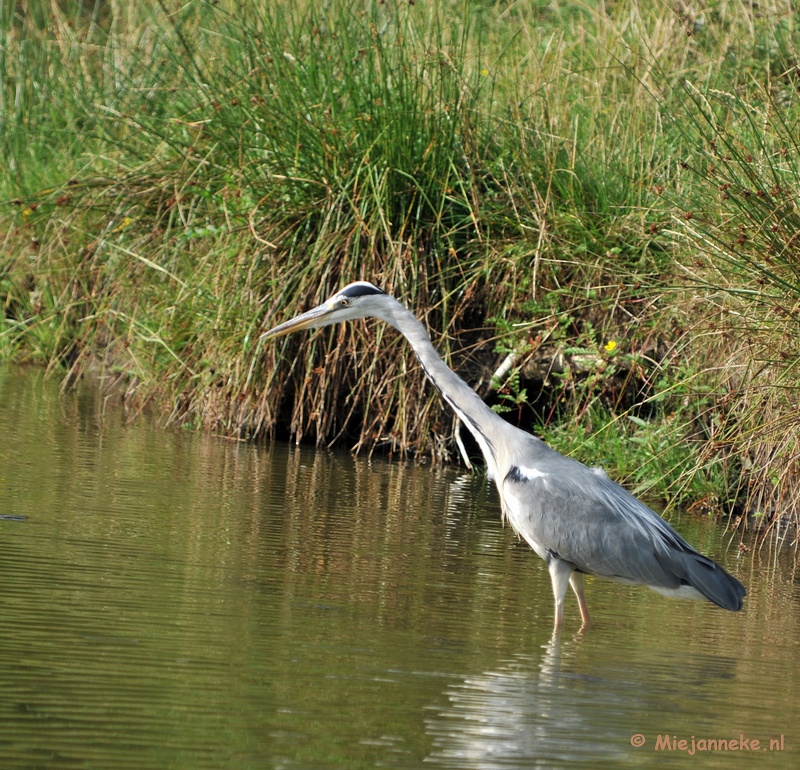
(737, 189)
(612, 189)
(661, 457)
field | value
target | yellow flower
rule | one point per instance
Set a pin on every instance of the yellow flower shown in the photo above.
(484, 72)
(610, 346)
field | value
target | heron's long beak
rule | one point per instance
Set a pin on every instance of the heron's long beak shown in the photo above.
(309, 320)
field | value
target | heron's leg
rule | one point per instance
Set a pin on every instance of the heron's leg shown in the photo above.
(559, 576)
(578, 583)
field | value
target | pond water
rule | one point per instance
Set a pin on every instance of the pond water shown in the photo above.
(173, 600)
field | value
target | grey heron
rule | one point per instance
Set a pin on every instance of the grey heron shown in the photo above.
(574, 517)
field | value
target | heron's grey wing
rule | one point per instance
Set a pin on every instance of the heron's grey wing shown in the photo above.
(568, 511)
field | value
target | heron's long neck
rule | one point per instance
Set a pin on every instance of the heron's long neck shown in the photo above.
(483, 423)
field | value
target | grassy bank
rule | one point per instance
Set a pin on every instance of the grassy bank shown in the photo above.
(603, 195)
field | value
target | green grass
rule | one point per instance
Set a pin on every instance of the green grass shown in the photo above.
(539, 180)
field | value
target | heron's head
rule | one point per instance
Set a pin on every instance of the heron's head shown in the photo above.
(356, 300)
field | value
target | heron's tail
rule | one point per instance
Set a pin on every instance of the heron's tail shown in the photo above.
(707, 577)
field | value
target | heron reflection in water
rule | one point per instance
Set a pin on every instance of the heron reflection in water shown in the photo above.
(575, 518)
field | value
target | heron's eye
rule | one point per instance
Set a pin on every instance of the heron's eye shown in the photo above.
(343, 302)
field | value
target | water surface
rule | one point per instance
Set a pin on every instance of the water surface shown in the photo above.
(170, 600)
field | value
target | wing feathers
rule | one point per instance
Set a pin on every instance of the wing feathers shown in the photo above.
(601, 529)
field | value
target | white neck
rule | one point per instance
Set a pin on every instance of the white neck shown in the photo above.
(486, 426)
